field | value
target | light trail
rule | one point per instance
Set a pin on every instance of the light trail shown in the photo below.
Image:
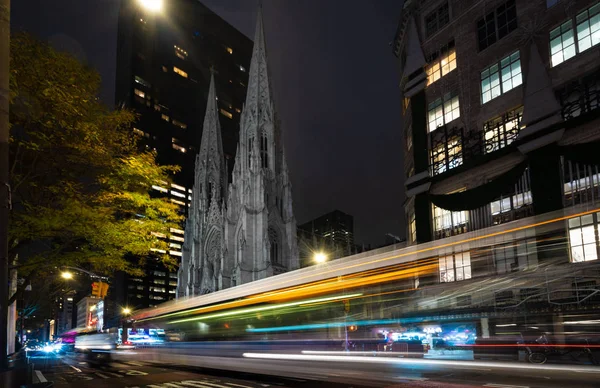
(413, 361)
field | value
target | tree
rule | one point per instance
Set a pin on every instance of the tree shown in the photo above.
(80, 181)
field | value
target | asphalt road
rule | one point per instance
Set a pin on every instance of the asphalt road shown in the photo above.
(73, 371)
(141, 370)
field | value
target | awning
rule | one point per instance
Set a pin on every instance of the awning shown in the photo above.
(480, 195)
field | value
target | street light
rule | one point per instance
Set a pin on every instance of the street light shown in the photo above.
(320, 257)
(67, 275)
(126, 311)
(152, 5)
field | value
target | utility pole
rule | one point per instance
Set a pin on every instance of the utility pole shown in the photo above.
(4, 181)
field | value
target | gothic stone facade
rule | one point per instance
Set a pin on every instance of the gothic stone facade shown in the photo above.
(244, 230)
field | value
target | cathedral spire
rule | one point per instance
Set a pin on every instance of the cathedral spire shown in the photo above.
(258, 97)
(210, 165)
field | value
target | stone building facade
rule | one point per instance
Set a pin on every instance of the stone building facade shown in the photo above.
(243, 230)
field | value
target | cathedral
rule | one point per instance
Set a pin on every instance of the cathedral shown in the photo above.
(244, 230)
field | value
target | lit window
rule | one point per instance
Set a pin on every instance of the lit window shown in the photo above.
(229, 50)
(497, 24)
(159, 273)
(139, 93)
(446, 156)
(412, 227)
(165, 117)
(171, 291)
(509, 203)
(180, 72)
(226, 113)
(179, 124)
(175, 253)
(237, 110)
(562, 43)
(178, 148)
(161, 189)
(158, 250)
(582, 238)
(508, 71)
(178, 231)
(446, 220)
(176, 238)
(177, 194)
(503, 130)
(141, 81)
(176, 246)
(441, 65)
(159, 235)
(157, 107)
(164, 69)
(455, 267)
(437, 19)
(139, 132)
(242, 68)
(588, 28)
(443, 111)
(175, 201)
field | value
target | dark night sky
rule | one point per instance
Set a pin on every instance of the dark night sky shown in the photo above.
(335, 83)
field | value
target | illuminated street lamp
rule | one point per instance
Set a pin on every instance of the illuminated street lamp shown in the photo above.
(126, 311)
(320, 257)
(67, 275)
(152, 5)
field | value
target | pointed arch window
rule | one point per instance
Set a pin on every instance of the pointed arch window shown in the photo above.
(264, 151)
(274, 242)
(250, 148)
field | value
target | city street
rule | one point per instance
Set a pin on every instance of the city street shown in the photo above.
(224, 372)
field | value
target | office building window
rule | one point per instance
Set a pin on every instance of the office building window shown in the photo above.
(226, 113)
(180, 72)
(441, 63)
(515, 255)
(139, 93)
(562, 43)
(165, 117)
(501, 77)
(179, 124)
(583, 238)
(412, 227)
(446, 155)
(497, 24)
(229, 50)
(437, 19)
(446, 220)
(178, 148)
(511, 202)
(575, 35)
(503, 130)
(141, 81)
(443, 110)
(455, 267)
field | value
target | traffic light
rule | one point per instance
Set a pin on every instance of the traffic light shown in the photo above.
(99, 289)
(103, 289)
(96, 289)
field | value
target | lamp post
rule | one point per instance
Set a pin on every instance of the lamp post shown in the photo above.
(320, 257)
(152, 5)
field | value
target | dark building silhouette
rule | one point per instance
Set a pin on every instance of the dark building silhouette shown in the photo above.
(331, 234)
(164, 64)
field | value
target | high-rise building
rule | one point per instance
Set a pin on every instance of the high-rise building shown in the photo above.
(500, 109)
(331, 234)
(164, 63)
(85, 312)
(245, 230)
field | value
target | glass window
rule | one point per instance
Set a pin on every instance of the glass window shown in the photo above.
(500, 78)
(446, 219)
(583, 239)
(443, 111)
(497, 24)
(503, 130)
(180, 72)
(139, 93)
(441, 62)
(455, 267)
(226, 113)
(437, 19)
(562, 43)
(588, 28)
(446, 156)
